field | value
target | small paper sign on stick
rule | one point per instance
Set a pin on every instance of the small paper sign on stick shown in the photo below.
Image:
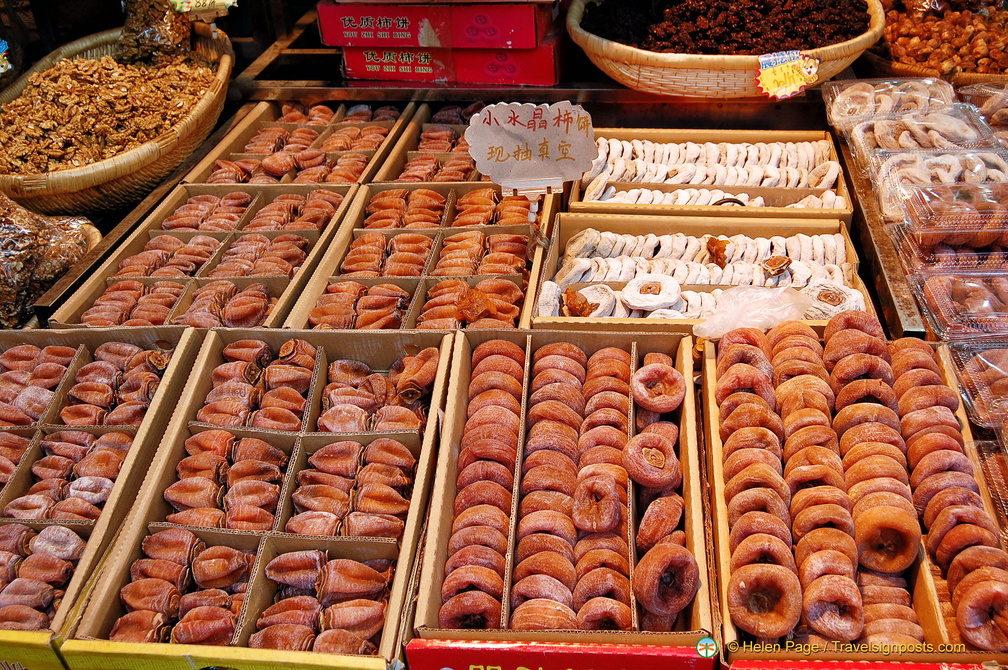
(786, 73)
(532, 149)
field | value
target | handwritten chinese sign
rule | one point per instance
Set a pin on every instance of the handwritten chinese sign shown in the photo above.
(786, 73)
(528, 146)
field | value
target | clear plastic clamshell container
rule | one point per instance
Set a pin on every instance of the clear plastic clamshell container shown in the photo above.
(898, 173)
(851, 100)
(962, 306)
(982, 371)
(944, 257)
(951, 127)
(991, 99)
(971, 215)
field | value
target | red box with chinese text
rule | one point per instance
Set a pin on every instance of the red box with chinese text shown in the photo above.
(399, 64)
(510, 67)
(473, 25)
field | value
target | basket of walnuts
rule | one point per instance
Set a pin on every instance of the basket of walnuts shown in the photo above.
(711, 48)
(94, 127)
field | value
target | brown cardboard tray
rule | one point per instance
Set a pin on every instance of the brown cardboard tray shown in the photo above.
(927, 587)
(90, 649)
(328, 269)
(266, 113)
(287, 291)
(566, 225)
(38, 649)
(406, 147)
(694, 623)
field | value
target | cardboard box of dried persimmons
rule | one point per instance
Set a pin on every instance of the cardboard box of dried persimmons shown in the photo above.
(55, 552)
(325, 576)
(926, 590)
(531, 485)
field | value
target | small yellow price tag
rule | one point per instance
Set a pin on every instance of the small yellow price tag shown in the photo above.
(202, 5)
(786, 73)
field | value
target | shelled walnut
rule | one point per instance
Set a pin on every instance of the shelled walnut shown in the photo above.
(82, 111)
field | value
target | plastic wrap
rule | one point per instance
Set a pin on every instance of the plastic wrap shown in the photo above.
(35, 251)
(753, 307)
(20, 247)
(850, 101)
(152, 29)
(944, 257)
(961, 306)
(982, 370)
(972, 215)
(897, 173)
(947, 128)
(991, 99)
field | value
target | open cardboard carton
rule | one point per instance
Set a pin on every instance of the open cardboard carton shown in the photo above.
(548, 205)
(286, 290)
(328, 270)
(266, 113)
(694, 623)
(91, 648)
(406, 147)
(924, 581)
(567, 225)
(776, 198)
(37, 650)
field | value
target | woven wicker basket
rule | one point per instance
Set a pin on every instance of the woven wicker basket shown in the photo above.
(703, 75)
(883, 67)
(122, 180)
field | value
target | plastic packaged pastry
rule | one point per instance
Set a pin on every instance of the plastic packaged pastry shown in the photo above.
(849, 101)
(961, 306)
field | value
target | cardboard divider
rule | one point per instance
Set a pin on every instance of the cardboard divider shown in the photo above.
(68, 314)
(317, 285)
(175, 444)
(779, 196)
(243, 541)
(312, 236)
(390, 233)
(568, 225)
(429, 282)
(407, 144)
(23, 478)
(267, 193)
(202, 385)
(266, 113)
(279, 287)
(58, 392)
(91, 650)
(697, 621)
(942, 643)
(262, 590)
(309, 444)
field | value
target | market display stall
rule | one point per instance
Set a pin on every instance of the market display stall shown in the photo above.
(667, 415)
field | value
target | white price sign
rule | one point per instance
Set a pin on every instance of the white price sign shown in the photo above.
(532, 148)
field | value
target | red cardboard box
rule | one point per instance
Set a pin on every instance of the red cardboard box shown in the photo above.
(511, 67)
(504, 26)
(480, 25)
(350, 24)
(399, 64)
